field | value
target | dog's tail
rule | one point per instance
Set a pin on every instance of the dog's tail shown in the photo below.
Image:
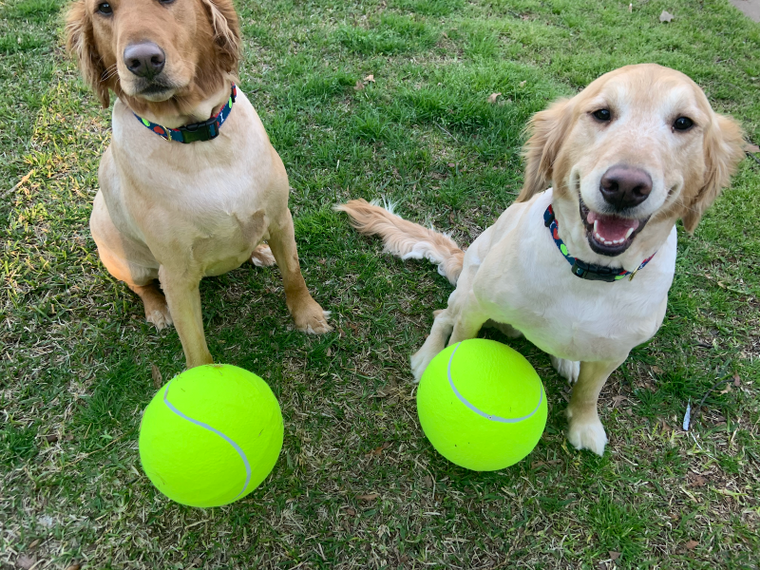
(405, 239)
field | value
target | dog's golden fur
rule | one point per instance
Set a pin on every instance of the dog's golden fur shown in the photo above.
(171, 211)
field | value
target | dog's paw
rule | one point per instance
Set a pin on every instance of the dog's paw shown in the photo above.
(568, 369)
(314, 323)
(262, 256)
(419, 361)
(159, 316)
(587, 433)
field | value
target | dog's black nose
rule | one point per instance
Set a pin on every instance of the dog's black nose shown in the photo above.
(144, 59)
(625, 187)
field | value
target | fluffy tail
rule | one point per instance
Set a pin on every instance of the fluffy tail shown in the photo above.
(405, 239)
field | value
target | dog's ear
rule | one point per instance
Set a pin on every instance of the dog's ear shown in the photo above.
(547, 130)
(724, 149)
(227, 38)
(80, 41)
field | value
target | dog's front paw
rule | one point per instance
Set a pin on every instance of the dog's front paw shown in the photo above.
(569, 369)
(419, 361)
(313, 321)
(586, 433)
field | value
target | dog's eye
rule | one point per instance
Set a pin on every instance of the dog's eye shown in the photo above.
(166, 2)
(602, 115)
(105, 9)
(683, 124)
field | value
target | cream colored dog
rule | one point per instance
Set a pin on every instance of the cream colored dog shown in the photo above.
(636, 150)
(172, 211)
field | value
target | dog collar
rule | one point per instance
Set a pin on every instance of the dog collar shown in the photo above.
(194, 132)
(581, 268)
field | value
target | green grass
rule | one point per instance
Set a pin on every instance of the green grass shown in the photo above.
(357, 484)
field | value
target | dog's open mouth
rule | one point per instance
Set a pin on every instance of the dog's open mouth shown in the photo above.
(609, 234)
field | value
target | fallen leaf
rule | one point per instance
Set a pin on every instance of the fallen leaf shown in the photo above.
(370, 497)
(737, 380)
(666, 17)
(726, 389)
(751, 148)
(370, 78)
(74, 567)
(359, 86)
(378, 450)
(350, 511)
(698, 481)
(523, 82)
(51, 438)
(614, 555)
(656, 369)
(492, 98)
(35, 544)
(427, 481)
(158, 381)
(26, 562)
(691, 545)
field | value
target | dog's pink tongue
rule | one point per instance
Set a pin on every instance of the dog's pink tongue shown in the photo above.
(612, 228)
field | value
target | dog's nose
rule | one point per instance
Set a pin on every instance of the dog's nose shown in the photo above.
(144, 59)
(625, 187)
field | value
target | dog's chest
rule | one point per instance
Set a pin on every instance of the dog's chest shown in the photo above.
(581, 326)
(534, 291)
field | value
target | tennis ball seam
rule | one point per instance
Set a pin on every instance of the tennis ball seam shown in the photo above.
(226, 438)
(480, 412)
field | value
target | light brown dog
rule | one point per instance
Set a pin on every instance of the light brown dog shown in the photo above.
(173, 211)
(628, 156)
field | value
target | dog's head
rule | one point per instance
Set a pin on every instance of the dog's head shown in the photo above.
(160, 54)
(637, 149)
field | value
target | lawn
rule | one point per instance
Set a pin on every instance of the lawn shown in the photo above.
(379, 98)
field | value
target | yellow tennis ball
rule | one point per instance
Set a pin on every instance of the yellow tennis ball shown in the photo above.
(481, 405)
(211, 435)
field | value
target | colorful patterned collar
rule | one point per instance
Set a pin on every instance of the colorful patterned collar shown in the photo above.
(205, 131)
(581, 268)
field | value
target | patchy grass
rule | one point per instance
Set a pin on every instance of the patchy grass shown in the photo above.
(357, 485)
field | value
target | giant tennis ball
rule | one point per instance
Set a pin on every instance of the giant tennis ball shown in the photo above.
(481, 405)
(211, 435)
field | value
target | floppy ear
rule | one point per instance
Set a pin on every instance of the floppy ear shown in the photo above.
(547, 130)
(724, 149)
(80, 42)
(226, 33)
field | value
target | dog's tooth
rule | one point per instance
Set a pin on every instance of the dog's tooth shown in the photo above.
(628, 233)
(596, 223)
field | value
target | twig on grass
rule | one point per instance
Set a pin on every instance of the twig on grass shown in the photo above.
(18, 185)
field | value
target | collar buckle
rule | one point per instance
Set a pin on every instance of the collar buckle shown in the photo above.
(205, 131)
(595, 273)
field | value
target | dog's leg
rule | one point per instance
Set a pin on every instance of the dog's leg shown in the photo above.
(585, 430)
(129, 261)
(435, 343)
(461, 320)
(184, 298)
(306, 312)
(468, 322)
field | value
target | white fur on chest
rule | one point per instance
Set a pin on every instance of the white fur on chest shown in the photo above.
(525, 281)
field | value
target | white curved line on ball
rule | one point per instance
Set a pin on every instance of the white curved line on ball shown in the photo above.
(481, 412)
(226, 438)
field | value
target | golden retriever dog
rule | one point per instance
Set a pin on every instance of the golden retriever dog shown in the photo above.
(583, 269)
(190, 185)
